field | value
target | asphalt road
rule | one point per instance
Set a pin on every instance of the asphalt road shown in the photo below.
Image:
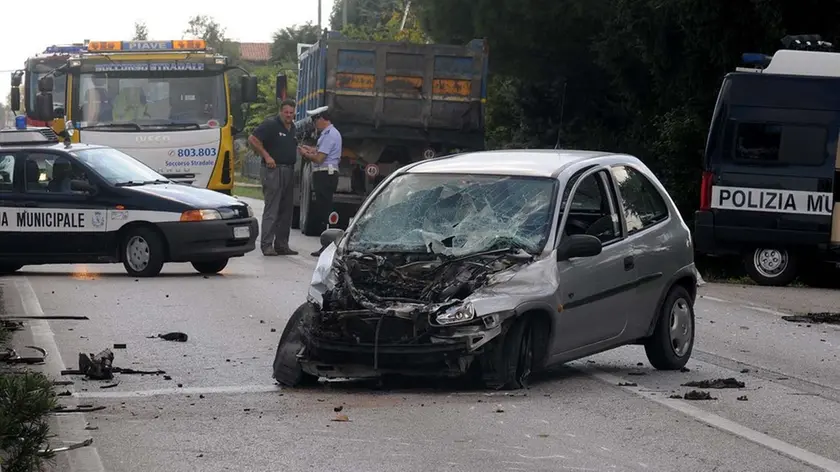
(220, 410)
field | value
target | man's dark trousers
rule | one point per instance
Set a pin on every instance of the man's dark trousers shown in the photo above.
(324, 184)
(278, 191)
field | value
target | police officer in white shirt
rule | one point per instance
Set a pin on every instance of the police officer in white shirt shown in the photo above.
(325, 159)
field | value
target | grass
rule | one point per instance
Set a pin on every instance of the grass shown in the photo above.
(248, 192)
(26, 399)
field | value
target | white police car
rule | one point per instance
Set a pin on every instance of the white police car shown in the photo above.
(80, 203)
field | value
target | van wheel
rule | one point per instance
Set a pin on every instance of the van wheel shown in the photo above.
(672, 342)
(210, 267)
(771, 266)
(143, 252)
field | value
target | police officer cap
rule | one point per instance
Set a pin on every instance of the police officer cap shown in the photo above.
(314, 113)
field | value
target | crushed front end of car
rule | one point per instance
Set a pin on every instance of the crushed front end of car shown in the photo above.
(423, 303)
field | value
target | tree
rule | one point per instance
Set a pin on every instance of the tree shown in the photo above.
(285, 41)
(206, 28)
(141, 32)
(364, 13)
(637, 76)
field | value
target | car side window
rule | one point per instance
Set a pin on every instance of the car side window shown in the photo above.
(51, 173)
(592, 210)
(7, 173)
(642, 202)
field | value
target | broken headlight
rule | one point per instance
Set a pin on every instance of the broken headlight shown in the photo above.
(456, 314)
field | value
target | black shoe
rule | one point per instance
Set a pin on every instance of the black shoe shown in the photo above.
(284, 251)
(316, 254)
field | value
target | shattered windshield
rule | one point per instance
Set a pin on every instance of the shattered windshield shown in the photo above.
(456, 215)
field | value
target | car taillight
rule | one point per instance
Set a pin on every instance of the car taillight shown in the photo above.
(706, 191)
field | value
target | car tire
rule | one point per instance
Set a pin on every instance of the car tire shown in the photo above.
(508, 364)
(296, 217)
(6, 269)
(775, 267)
(307, 216)
(143, 252)
(287, 369)
(672, 342)
(210, 267)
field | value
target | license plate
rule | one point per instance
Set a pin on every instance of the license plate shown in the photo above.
(241, 232)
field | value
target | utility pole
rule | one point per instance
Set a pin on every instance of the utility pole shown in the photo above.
(319, 18)
(344, 14)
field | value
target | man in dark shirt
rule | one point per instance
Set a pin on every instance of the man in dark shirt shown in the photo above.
(274, 140)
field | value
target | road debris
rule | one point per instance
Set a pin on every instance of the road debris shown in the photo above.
(47, 317)
(698, 395)
(69, 447)
(816, 318)
(716, 383)
(110, 385)
(628, 384)
(10, 356)
(78, 409)
(174, 336)
(119, 346)
(742, 398)
(341, 418)
(338, 408)
(97, 367)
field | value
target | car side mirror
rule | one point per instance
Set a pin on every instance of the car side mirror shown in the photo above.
(82, 186)
(14, 99)
(248, 88)
(578, 245)
(332, 235)
(44, 106)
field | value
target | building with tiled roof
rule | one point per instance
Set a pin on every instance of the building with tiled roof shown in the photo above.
(259, 53)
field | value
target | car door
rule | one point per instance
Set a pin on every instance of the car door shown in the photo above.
(11, 241)
(59, 223)
(595, 294)
(651, 238)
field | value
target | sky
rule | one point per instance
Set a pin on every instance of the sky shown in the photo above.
(98, 20)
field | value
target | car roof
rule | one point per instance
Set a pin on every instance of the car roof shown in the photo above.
(515, 162)
(55, 147)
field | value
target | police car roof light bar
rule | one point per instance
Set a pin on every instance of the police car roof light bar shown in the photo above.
(806, 42)
(756, 59)
(28, 136)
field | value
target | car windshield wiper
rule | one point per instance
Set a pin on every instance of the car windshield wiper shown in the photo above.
(137, 183)
(182, 125)
(113, 125)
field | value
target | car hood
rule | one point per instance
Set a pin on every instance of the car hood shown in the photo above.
(508, 290)
(192, 196)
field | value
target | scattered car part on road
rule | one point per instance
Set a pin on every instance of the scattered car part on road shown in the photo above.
(730, 382)
(174, 336)
(815, 318)
(498, 264)
(97, 367)
(69, 447)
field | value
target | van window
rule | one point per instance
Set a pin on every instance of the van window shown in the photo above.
(780, 144)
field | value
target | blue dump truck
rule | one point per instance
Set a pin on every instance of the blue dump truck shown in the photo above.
(394, 104)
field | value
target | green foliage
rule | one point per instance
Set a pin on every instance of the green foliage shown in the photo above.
(268, 105)
(206, 28)
(389, 30)
(141, 32)
(25, 403)
(285, 41)
(639, 76)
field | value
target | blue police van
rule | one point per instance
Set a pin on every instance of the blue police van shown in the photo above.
(63, 203)
(770, 190)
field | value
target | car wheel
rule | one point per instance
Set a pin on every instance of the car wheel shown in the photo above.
(287, 369)
(771, 266)
(210, 267)
(672, 342)
(9, 268)
(143, 252)
(509, 363)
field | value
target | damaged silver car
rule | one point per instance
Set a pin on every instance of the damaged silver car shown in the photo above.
(498, 264)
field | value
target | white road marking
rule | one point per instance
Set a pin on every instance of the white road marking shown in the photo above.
(732, 427)
(71, 428)
(541, 457)
(181, 391)
(714, 299)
